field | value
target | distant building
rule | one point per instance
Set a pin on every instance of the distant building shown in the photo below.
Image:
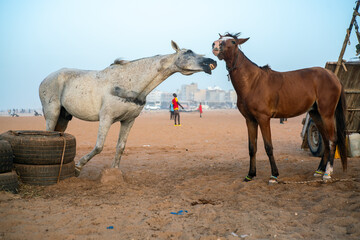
(166, 100)
(190, 96)
(187, 92)
(200, 96)
(154, 98)
(231, 96)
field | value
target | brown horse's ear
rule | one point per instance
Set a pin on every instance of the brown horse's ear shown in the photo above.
(220, 35)
(242, 40)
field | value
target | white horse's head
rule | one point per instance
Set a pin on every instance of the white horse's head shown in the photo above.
(189, 62)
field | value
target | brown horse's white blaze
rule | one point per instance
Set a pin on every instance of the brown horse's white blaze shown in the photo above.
(264, 94)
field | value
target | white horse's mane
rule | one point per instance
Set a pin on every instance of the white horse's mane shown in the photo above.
(120, 61)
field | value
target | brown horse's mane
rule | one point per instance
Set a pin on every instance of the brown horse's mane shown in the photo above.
(266, 68)
(235, 36)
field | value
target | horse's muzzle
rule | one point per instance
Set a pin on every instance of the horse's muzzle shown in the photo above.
(216, 51)
(209, 65)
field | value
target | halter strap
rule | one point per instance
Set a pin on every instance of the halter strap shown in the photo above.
(234, 65)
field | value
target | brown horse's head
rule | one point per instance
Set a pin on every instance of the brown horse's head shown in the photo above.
(227, 44)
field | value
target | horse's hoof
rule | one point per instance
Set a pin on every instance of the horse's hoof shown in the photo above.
(273, 180)
(318, 173)
(77, 171)
(326, 177)
(248, 179)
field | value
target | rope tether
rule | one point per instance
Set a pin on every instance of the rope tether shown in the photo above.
(332, 180)
(62, 157)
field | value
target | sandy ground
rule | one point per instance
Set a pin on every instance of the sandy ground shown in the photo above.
(197, 168)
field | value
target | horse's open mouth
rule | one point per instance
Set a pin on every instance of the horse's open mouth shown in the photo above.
(209, 67)
(206, 68)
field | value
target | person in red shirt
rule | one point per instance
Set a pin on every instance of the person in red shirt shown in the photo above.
(176, 105)
(200, 110)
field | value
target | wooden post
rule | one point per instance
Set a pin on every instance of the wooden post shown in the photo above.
(347, 36)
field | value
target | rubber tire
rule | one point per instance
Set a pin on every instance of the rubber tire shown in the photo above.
(6, 157)
(9, 182)
(40, 147)
(315, 140)
(44, 174)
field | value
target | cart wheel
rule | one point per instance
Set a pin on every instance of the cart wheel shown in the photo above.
(314, 140)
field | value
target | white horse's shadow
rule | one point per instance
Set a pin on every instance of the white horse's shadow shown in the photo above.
(117, 93)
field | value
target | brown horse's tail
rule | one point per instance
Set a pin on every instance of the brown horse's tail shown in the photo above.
(341, 128)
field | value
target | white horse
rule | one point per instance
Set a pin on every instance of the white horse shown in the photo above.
(117, 93)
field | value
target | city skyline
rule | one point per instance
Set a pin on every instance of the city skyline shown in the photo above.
(190, 95)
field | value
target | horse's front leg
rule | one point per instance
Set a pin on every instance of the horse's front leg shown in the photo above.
(104, 126)
(252, 127)
(266, 133)
(120, 146)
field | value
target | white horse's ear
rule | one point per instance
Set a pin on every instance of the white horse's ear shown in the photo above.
(175, 46)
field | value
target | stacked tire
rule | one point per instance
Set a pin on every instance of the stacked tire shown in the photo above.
(42, 157)
(8, 178)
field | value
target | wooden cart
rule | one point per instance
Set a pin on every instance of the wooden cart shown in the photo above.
(349, 75)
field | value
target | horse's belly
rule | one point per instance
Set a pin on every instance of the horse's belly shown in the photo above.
(121, 111)
(83, 111)
(292, 107)
(82, 105)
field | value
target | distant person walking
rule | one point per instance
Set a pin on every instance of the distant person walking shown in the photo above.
(176, 105)
(171, 107)
(200, 110)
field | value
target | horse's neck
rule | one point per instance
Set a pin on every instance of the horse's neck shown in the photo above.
(165, 68)
(242, 72)
(146, 73)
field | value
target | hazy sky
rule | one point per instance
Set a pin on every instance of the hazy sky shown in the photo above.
(40, 37)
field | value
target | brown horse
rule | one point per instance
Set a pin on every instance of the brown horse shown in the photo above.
(264, 94)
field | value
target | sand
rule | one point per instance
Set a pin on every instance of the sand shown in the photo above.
(197, 168)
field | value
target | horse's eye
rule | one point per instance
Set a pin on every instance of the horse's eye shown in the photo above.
(213, 45)
(189, 51)
(233, 42)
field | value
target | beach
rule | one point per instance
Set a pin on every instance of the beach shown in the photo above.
(186, 183)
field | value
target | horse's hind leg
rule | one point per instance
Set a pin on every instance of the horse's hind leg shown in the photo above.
(63, 120)
(327, 113)
(51, 114)
(61, 124)
(315, 116)
(329, 124)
